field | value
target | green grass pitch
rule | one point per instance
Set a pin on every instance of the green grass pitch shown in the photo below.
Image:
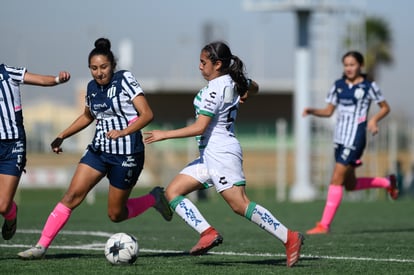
(375, 237)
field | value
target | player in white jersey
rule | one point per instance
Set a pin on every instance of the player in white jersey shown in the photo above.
(220, 160)
(351, 96)
(117, 105)
(13, 137)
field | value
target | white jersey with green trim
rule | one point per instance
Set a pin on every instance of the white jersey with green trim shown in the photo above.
(218, 100)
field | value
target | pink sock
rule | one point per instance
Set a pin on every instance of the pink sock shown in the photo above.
(12, 212)
(138, 205)
(332, 203)
(366, 183)
(57, 219)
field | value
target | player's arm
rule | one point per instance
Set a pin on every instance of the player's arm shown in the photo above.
(373, 122)
(46, 80)
(145, 117)
(195, 129)
(79, 124)
(325, 112)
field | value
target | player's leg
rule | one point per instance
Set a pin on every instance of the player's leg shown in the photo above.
(180, 186)
(122, 179)
(333, 200)
(388, 183)
(8, 208)
(237, 199)
(84, 179)
(12, 164)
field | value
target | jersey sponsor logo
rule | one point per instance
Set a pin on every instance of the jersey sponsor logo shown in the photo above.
(100, 106)
(213, 94)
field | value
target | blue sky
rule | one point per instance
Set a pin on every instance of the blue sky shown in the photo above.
(48, 35)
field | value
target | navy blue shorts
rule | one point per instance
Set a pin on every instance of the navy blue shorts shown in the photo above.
(12, 157)
(348, 156)
(121, 170)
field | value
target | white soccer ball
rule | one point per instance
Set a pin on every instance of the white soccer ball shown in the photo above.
(121, 248)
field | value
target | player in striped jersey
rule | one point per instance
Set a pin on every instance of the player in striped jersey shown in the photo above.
(13, 137)
(116, 103)
(220, 161)
(351, 96)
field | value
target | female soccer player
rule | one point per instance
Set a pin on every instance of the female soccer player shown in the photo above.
(116, 103)
(352, 96)
(220, 161)
(13, 137)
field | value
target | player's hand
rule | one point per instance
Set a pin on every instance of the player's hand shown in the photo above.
(56, 145)
(64, 76)
(306, 111)
(372, 127)
(114, 134)
(153, 136)
(243, 98)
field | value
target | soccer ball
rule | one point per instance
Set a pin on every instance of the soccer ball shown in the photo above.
(121, 248)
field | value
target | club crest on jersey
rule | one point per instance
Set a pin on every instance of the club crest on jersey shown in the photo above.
(339, 90)
(111, 92)
(359, 93)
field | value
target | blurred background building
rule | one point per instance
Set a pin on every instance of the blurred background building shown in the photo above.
(265, 123)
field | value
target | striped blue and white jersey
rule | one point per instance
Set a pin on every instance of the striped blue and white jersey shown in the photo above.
(113, 109)
(352, 106)
(11, 115)
(218, 100)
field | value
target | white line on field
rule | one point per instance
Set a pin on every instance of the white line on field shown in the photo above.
(100, 246)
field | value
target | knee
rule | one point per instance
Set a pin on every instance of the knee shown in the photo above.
(115, 215)
(349, 187)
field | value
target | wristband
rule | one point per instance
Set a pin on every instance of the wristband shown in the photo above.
(249, 82)
(57, 80)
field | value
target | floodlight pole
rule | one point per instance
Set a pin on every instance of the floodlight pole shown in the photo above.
(302, 189)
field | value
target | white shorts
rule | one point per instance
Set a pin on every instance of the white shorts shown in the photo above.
(222, 167)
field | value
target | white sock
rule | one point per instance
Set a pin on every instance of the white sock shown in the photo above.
(191, 215)
(263, 218)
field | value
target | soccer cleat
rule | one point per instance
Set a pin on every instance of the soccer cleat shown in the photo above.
(318, 229)
(9, 228)
(393, 189)
(208, 239)
(34, 253)
(161, 203)
(293, 246)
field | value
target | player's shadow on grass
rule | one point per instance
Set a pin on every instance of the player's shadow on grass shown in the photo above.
(383, 230)
(270, 262)
(165, 254)
(72, 255)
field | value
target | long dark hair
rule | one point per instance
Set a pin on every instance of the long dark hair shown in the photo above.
(103, 47)
(231, 64)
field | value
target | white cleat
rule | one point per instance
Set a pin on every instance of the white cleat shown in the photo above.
(34, 253)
